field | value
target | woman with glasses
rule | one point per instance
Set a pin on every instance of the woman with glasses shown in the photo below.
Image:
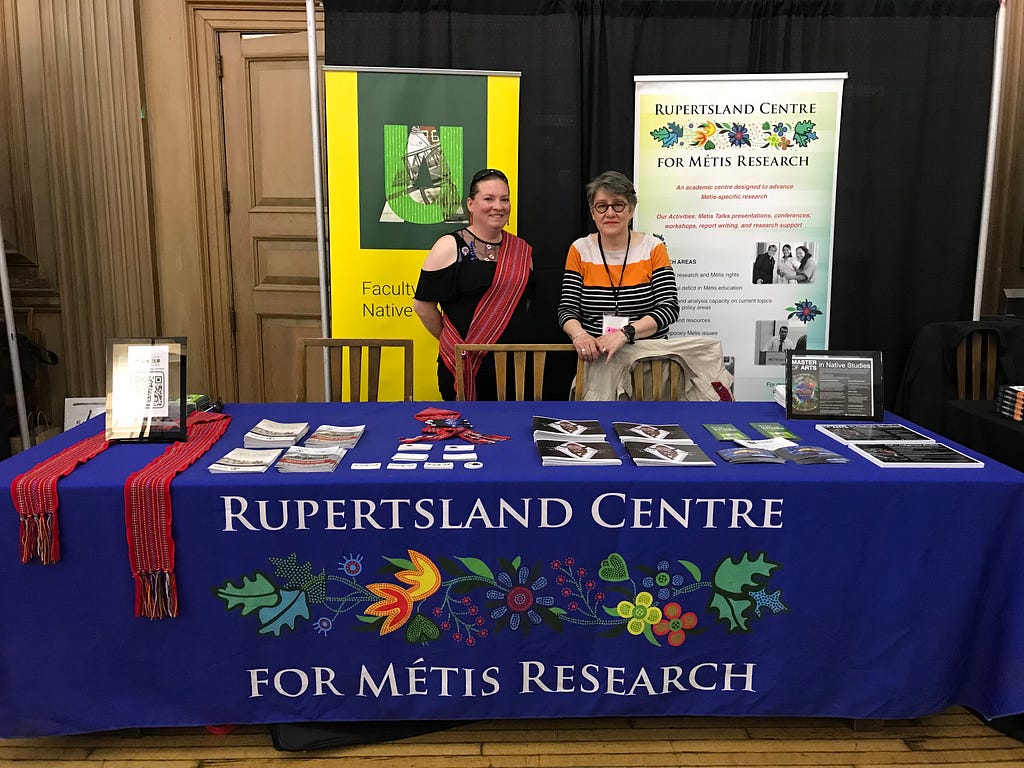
(475, 287)
(618, 285)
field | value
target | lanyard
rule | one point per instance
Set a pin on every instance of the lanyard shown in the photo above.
(622, 274)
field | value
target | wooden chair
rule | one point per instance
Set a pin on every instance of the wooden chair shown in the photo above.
(976, 361)
(355, 365)
(538, 353)
(658, 378)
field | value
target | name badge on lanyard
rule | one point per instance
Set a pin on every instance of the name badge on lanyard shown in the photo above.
(612, 323)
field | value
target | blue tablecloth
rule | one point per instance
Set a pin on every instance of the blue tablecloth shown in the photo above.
(517, 590)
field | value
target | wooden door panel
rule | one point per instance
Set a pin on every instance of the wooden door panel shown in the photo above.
(275, 273)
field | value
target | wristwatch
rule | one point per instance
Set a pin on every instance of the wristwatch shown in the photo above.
(630, 332)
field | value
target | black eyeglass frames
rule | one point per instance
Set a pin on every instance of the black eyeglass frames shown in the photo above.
(618, 206)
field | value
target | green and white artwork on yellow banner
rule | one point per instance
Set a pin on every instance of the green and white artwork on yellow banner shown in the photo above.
(402, 146)
(738, 175)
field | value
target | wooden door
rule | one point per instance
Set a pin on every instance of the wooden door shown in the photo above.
(275, 280)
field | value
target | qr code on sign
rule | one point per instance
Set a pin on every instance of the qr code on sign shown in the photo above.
(154, 386)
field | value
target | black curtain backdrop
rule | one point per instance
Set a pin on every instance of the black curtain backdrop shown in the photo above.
(912, 145)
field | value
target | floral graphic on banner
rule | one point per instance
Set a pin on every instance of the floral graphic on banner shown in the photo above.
(466, 600)
(710, 135)
(805, 311)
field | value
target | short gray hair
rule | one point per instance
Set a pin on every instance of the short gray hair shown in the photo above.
(615, 183)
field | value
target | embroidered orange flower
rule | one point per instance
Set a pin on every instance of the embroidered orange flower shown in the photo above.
(704, 132)
(424, 578)
(395, 606)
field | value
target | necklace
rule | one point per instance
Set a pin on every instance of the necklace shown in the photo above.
(490, 249)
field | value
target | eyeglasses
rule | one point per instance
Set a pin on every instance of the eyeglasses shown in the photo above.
(487, 173)
(618, 206)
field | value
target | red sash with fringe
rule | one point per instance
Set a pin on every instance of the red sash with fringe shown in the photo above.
(493, 312)
(147, 516)
(35, 498)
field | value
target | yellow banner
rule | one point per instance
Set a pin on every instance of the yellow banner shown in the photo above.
(402, 146)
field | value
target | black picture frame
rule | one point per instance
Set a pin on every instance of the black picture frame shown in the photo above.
(831, 385)
(146, 392)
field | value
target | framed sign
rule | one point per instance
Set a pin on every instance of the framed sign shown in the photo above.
(829, 385)
(146, 399)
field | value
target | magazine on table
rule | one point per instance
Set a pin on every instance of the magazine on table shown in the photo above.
(275, 434)
(327, 435)
(628, 431)
(773, 429)
(810, 454)
(661, 454)
(726, 432)
(246, 460)
(872, 433)
(743, 455)
(933, 455)
(303, 458)
(546, 428)
(589, 453)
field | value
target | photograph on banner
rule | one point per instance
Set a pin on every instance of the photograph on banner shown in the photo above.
(737, 174)
(402, 147)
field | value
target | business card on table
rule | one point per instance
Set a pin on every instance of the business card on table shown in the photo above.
(410, 456)
(439, 465)
(402, 465)
(460, 456)
(365, 465)
(726, 432)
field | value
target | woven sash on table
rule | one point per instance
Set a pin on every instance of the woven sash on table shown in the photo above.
(147, 505)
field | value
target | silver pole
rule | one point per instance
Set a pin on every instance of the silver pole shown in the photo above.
(318, 187)
(12, 345)
(990, 158)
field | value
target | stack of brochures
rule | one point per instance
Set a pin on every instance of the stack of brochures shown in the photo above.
(565, 442)
(328, 436)
(778, 449)
(303, 458)
(1010, 401)
(275, 434)
(246, 460)
(660, 445)
(197, 403)
(897, 445)
(780, 394)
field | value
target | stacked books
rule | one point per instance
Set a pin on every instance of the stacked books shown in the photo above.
(275, 434)
(660, 445)
(1010, 401)
(246, 460)
(564, 442)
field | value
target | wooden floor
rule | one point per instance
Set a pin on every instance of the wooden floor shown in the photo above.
(952, 738)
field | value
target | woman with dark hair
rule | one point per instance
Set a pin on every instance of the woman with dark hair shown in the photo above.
(807, 265)
(618, 285)
(475, 287)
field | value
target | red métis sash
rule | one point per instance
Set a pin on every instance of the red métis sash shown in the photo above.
(147, 502)
(493, 312)
(34, 494)
(147, 516)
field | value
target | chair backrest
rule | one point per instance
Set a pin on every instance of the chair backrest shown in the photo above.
(538, 354)
(658, 378)
(362, 354)
(976, 357)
